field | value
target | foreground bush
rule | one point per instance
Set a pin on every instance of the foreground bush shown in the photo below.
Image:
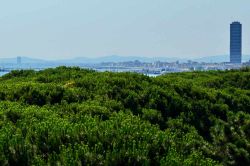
(71, 116)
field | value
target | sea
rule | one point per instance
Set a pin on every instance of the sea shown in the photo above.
(150, 75)
(2, 73)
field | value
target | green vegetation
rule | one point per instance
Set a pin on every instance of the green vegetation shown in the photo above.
(71, 116)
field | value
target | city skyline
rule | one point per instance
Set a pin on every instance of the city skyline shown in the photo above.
(64, 30)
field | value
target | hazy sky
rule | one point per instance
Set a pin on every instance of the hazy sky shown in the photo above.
(52, 29)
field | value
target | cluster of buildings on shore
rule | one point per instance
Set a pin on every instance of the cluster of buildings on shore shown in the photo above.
(159, 67)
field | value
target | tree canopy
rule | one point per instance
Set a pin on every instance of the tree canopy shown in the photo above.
(73, 116)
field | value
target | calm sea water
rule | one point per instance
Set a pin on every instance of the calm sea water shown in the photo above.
(150, 75)
(2, 73)
(153, 75)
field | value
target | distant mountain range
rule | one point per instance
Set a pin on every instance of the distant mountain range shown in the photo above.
(219, 59)
(117, 58)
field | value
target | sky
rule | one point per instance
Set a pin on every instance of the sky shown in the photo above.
(62, 29)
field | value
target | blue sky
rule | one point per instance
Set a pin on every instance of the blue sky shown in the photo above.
(59, 29)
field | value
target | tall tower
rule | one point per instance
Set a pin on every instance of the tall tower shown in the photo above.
(235, 42)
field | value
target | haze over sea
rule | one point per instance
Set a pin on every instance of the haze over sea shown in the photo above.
(2, 73)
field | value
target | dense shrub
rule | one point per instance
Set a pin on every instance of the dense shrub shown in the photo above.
(73, 116)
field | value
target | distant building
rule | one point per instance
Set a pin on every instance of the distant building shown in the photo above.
(235, 42)
(19, 60)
